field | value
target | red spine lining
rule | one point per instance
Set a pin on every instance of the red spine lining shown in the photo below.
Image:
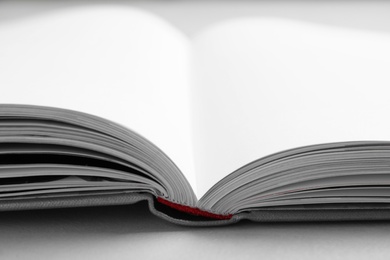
(193, 211)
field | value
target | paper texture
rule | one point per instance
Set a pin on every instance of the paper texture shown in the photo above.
(263, 86)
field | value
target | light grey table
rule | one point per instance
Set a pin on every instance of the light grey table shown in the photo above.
(131, 232)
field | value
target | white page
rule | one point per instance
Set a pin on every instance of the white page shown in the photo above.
(119, 63)
(265, 85)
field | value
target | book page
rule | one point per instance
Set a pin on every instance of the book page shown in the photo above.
(120, 63)
(265, 85)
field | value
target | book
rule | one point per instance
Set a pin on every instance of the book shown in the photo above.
(259, 119)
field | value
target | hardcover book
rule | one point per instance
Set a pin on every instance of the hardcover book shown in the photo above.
(259, 119)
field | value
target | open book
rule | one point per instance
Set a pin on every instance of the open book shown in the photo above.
(261, 119)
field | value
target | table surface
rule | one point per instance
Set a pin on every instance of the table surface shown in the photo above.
(132, 231)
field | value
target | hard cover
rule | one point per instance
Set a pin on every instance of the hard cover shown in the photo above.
(356, 212)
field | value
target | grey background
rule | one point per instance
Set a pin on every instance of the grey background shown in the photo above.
(193, 16)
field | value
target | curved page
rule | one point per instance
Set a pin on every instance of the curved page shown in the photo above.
(119, 63)
(265, 85)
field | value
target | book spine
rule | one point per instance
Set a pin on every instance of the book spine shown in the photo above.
(193, 211)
